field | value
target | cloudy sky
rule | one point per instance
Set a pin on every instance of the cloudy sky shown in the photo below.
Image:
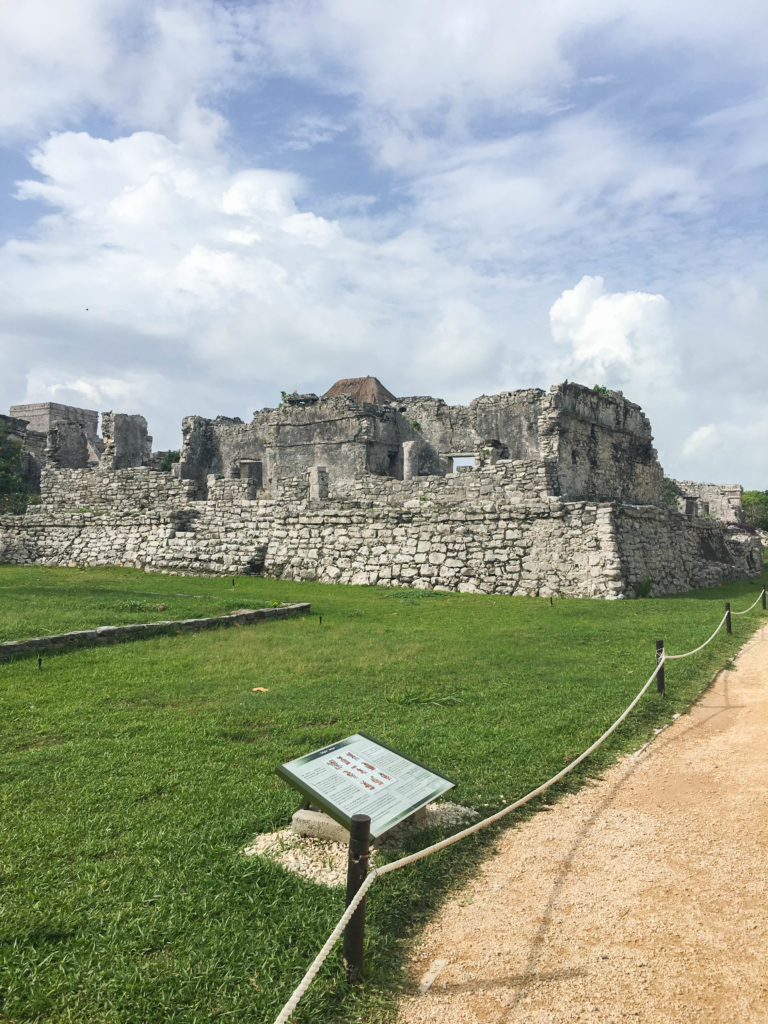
(205, 203)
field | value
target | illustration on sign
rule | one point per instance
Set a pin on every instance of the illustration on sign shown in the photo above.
(359, 775)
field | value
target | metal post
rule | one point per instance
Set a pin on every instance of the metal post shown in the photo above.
(763, 598)
(357, 869)
(728, 617)
(660, 684)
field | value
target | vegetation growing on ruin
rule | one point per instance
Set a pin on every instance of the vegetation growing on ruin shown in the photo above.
(169, 458)
(756, 509)
(13, 493)
(670, 491)
(133, 776)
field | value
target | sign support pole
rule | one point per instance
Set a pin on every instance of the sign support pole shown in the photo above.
(357, 869)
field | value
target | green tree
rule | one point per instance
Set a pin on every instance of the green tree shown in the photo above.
(168, 460)
(670, 492)
(13, 493)
(756, 509)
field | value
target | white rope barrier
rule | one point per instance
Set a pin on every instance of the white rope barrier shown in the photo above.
(674, 657)
(287, 1011)
(750, 607)
(333, 938)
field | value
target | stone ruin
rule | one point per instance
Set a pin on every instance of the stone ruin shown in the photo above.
(65, 437)
(564, 495)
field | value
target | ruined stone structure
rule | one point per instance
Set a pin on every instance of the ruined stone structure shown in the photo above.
(565, 497)
(66, 437)
(724, 502)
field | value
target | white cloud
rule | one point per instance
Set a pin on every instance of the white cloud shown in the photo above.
(121, 394)
(732, 448)
(143, 63)
(619, 340)
(155, 257)
(441, 61)
(310, 130)
(701, 442)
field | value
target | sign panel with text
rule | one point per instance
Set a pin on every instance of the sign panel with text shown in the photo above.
(359, 775)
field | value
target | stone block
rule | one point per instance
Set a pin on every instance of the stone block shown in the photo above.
(318, 825)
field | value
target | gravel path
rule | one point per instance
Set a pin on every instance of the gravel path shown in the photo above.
(640, 898)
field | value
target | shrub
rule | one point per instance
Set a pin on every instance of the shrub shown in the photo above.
(13, 493)
(168, 460)
(644, 586)
(756, 509)
(670, 492)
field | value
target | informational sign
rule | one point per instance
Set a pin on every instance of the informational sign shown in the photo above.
(359, 775)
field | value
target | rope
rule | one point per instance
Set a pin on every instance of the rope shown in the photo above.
(751, 606)
(333, 938)
(673, 657)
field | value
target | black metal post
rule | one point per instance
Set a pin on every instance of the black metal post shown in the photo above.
(357, 869)
(728, 617)
(763, 598)
(660, 683)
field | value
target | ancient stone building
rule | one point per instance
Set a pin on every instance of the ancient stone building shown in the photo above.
(592, 445)
(720, 501)
(66, 437)
(565, 496)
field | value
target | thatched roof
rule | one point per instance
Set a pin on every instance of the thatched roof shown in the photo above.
(361, 389)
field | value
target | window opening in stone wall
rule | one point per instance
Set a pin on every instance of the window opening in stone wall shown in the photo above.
(462, 462)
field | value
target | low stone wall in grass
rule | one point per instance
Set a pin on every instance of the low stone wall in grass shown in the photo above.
(104, 635)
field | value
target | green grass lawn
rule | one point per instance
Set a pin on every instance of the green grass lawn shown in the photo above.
(39, 602)
(132, 776)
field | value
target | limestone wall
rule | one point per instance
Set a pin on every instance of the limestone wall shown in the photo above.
(218, 446)
(510, 481)
(538, 549)
(668, 547)
(129, 490)
(600, 442)
(602, 445)
(485, 542)
(126, 441)
(510, 417)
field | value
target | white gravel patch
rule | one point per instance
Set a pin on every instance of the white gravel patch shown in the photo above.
(325, 862)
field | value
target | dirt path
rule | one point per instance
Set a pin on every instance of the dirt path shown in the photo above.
(641, 898)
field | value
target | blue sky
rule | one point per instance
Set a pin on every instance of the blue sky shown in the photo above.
(203, 204)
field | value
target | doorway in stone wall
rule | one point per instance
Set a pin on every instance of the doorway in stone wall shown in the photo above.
(457, 460)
